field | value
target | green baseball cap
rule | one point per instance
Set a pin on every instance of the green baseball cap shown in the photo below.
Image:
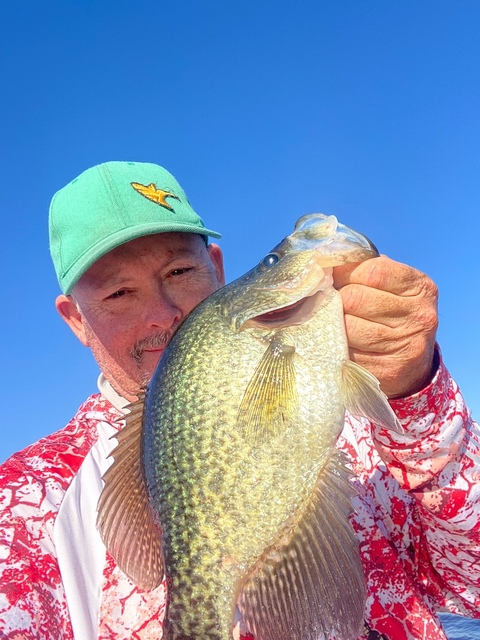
(111, 204)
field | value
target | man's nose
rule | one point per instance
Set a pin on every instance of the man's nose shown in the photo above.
(162, 312)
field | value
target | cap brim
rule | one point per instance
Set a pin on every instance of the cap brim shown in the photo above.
(95, 252)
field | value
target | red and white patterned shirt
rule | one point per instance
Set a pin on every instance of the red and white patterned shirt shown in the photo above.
(417, 519)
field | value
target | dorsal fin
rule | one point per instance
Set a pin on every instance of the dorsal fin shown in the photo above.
(310, 581)
(125, 518)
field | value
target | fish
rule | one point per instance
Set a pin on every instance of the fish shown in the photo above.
(226, 477)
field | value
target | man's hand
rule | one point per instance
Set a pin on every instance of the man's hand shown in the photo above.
(391, 322)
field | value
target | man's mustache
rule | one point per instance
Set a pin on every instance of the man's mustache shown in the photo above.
(160, 339)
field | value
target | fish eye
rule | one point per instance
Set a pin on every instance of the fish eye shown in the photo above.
(270, 260)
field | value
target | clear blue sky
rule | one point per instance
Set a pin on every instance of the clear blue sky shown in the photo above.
(264, 111)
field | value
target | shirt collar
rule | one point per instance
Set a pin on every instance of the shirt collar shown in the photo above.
(111, 395)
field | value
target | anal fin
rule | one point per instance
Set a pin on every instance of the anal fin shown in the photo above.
(311, 580)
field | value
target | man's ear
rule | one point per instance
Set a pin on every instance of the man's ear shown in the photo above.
(68, 310)
(216, 256)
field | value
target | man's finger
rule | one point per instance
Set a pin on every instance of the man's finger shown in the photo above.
(375, 305)
(384, 274)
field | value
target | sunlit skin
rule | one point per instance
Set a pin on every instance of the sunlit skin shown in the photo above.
(391, 321)
(128, 304)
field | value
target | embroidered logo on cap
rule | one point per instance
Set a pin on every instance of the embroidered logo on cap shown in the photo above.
(155, 195)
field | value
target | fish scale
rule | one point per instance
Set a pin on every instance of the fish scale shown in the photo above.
(238, 440)
(232, 504)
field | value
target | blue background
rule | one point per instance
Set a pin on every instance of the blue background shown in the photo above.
(264, 110)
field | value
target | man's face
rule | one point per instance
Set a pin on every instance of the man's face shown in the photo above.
(128, 304)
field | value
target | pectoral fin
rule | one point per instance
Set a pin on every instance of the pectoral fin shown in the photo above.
(270, 399)
(363, 398)
(125, 518)
(310, 581)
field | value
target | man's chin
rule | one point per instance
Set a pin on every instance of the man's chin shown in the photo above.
(150, 360)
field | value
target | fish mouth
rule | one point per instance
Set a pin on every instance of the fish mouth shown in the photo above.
(336, 243)
(295, 313)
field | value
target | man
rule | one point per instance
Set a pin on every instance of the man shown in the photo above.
(132, 259)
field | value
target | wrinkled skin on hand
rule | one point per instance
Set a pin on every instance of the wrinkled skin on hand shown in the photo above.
(391, 321)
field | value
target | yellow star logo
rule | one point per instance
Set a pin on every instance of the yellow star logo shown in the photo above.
(155, 195)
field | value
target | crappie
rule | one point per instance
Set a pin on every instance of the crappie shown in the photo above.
(239, 494)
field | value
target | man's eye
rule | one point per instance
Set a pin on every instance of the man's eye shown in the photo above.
(117, 294)
(181, 271)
